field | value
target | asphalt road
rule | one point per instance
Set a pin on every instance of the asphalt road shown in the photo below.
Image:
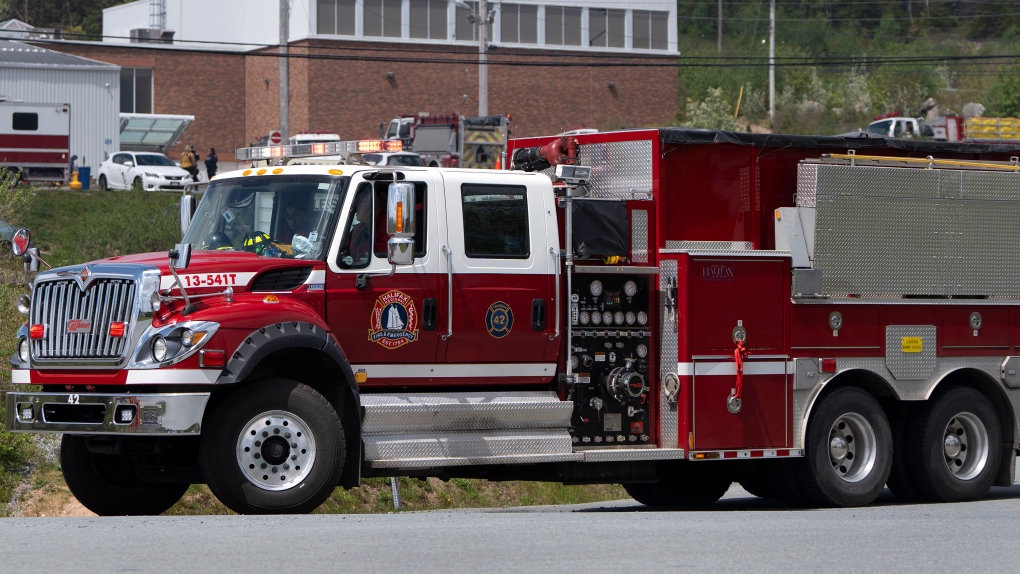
(740, 533)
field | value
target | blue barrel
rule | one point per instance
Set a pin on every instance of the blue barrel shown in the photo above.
(84, 176)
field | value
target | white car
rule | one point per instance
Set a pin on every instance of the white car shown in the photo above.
(403, 158)
(141, 170)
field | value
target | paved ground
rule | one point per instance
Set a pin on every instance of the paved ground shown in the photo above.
(740, 533)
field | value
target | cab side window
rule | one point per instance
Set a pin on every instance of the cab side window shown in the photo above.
(357, 247)
(495, 221)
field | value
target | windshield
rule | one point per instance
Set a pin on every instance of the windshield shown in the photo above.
(406, 159)
(153, 159)
(273, 216)
(881, 128)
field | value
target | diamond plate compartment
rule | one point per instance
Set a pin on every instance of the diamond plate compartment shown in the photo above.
(807, 184)
(639, 236)
(668, 358)
(910, 366)
(619, 170)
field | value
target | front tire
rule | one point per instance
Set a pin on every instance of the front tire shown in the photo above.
(108, 485)
(848, 451)
(103, 185)
(686, 485)
(953, 450)
(276, 447)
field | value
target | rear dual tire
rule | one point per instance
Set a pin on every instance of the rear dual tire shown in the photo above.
(952, 447)
(849, 451)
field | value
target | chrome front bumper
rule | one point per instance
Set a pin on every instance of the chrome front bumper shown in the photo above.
(151, 414)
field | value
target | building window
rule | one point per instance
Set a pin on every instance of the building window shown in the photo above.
(651, 30)
(382, 18)
(335, 17)
(562, 26)
(606, 28)
(428, 19)
(136, 90)
(495, 221)
(466, 30)
(518, 23)
(25, 122)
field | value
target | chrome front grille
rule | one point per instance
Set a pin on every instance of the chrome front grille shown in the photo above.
(55, 304)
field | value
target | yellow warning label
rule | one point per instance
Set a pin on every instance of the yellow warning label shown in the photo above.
(912, 344)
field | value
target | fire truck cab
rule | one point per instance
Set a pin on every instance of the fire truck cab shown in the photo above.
(673, 310)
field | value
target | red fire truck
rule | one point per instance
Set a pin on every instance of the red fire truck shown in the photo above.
(673, 310)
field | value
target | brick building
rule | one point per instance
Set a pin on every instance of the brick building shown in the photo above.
(554, 65)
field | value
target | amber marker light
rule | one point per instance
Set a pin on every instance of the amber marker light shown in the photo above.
(117, 329)
(278, 171)
(37, 331)
(400, 218)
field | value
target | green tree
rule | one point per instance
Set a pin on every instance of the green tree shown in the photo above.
(1004, 97)
(714, 112)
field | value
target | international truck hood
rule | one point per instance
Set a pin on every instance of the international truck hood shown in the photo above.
(215, 269)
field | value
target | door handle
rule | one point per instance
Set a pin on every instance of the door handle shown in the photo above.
(428, 314)
(449, 293)
(538, 314)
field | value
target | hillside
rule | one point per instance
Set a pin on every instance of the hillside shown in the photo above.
(841, 63)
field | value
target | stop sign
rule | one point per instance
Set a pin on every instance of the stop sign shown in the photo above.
(275, 137)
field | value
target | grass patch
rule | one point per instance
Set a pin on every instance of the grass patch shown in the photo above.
(73, 227)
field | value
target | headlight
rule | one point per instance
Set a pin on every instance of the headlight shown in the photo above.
(187, 337)
(153, 175)
(23, 350)
(159, 349)
(24, 304)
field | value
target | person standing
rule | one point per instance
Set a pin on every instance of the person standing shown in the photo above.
(189, 162)
(211, 163)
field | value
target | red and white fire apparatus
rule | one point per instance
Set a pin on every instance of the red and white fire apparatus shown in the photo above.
(670, 309)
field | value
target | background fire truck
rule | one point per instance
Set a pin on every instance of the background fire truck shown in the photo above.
(35, 140)
(673, 310)
(452, 140)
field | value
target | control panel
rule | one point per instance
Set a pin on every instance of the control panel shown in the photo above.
(609, 358)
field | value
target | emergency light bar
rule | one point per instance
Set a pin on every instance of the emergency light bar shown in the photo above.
(317, 149)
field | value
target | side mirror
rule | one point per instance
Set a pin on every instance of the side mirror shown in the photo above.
(20, 242)
(180, 257)
(400, 223)
(188, 204)
(129, 163)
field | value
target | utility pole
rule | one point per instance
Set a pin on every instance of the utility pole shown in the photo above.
(284, 79)
(772, 58)
(483, 57)
(719, 29)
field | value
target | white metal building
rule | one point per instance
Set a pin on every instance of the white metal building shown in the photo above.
(34, 74)
(634, 26)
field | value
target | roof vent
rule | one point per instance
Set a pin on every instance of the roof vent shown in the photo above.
(152, 36)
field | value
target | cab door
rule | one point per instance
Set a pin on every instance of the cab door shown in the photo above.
(503, 309)
(387, 324)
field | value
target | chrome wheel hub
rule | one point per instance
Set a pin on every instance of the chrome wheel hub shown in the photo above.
(965, 446)
(852, 447)
(275, 450)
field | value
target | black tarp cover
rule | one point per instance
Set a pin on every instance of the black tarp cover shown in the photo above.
(682, 136)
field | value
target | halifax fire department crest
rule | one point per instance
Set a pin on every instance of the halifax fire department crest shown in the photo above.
(394, 320)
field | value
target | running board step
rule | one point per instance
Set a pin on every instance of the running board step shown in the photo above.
(469, 448)
(423, 413)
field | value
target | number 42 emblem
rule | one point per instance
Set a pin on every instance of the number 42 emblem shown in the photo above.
(499, 319)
